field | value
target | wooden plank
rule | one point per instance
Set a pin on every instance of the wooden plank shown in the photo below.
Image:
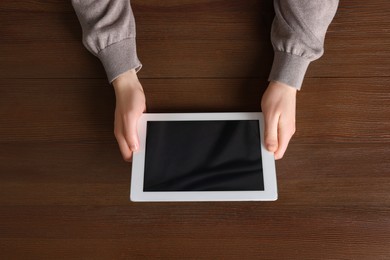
(64, 189)
(344, 110)
(101, 233)
(94, 174)
(328, 111)
(231, 244)
(188, 39)
(66, 200)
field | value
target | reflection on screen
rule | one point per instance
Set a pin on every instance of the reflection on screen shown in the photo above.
(222, 155)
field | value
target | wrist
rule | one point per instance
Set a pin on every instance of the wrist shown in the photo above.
(282, 86)
(127, 80)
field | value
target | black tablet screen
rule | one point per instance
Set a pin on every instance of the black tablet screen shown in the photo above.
(222, 155)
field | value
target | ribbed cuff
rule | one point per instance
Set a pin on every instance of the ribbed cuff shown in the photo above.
(120, 57)
(289, 69)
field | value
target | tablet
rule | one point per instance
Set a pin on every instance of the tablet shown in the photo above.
(202, 157)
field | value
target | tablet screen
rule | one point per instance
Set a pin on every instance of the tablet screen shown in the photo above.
(221, 155)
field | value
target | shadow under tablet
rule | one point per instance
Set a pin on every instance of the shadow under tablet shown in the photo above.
(222, 155)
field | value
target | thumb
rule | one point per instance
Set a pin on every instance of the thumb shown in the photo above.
(271, 133)
(131, 132)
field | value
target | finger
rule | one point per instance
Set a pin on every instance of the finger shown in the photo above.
(131, 133)
(271, 133)
(285, 132)
(124, 148)
(118, 132)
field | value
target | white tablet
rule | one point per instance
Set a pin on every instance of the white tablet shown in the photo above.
(202, 157)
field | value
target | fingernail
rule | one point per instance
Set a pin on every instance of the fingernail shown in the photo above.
(133, 147)
(271, 147)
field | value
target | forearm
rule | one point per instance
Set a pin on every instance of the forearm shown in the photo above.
(109, 33)
(297, 35)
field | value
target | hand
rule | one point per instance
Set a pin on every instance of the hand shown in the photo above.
(278, 106)
(130, 104)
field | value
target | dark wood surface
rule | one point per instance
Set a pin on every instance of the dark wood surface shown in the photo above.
(64, 188)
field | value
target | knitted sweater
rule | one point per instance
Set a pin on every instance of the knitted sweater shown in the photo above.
(297, 35)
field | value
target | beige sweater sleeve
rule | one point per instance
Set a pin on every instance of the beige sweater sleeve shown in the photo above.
(109, 33)
(297, 35)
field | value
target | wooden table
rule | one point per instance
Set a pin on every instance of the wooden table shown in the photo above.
(64, 189)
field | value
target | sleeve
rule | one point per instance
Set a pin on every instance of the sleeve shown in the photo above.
(297, 35)
(108, 28)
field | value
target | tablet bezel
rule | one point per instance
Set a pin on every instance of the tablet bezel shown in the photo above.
(137, 174)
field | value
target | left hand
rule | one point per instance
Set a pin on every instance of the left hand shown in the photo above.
(130, 105)
(278, 107)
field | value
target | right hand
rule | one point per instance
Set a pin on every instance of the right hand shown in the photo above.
(130, 105)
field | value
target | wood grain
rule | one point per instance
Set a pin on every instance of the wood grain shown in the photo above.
(64, 189)
(56, 205)
(339, 110)
(309, 174)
